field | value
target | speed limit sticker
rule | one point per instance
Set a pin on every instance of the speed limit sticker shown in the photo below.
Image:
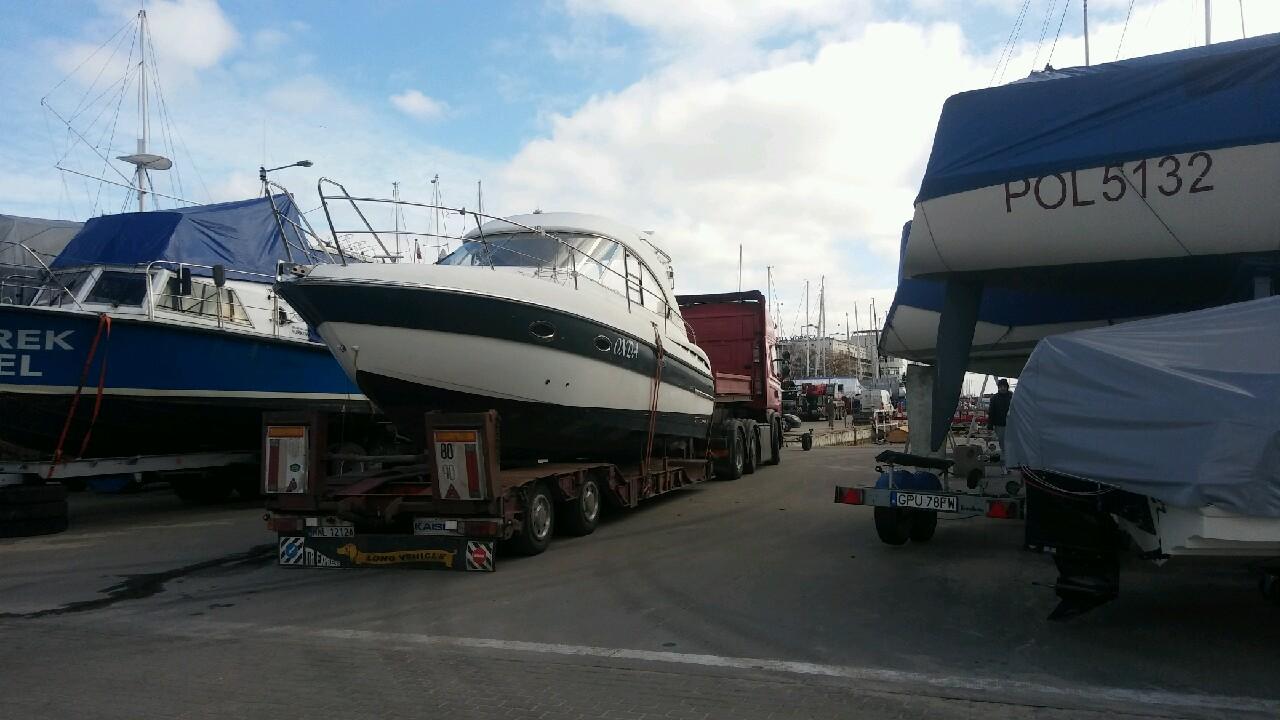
(458, 464)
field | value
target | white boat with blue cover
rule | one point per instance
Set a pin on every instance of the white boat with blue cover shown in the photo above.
(564, 323)
(165, 359)
(1088, 196)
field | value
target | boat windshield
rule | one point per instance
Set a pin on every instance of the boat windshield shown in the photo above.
(119, 288)
(53, 294)
(530, 249)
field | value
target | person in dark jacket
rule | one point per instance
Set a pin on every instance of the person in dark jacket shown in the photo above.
(998, 414)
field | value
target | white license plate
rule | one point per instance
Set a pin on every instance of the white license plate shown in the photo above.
(925, 501)
(332, 531)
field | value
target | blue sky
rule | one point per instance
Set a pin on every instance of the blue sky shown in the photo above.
(797, 129)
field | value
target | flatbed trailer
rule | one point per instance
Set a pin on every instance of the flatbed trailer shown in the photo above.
(907, 504)
(446, 508)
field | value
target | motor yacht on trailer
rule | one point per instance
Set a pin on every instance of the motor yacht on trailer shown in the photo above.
(564, 323)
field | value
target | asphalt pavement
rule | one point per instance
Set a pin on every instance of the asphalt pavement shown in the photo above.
(748, 599)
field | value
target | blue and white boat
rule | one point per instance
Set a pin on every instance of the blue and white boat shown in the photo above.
(1088, 196)
(166, 325)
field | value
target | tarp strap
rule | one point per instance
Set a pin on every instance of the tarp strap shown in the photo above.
(955, 338)
(104, 326)
(102, 381)
(658, 361)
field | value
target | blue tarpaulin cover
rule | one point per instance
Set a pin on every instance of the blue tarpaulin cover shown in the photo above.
(240, 235)
(1182, 408)
(1222, 95)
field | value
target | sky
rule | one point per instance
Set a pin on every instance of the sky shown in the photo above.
(796, 129)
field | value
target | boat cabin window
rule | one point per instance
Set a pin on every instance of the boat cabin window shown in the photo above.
(513, 250)
(205, 300)
(119, 288)
(53, 294)
(644, 288)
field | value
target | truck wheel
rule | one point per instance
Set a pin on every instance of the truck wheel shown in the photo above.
(923, 525)
(775, 441)
(893, 525)
(539, 521)
(737, 455)
(752, 460)
(581, 515)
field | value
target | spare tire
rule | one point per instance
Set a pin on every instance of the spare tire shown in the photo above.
(35, 526)
(32, 494)
(35, 511)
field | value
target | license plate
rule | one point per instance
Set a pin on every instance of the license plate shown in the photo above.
(435, 526)
(332, 531)
(925, 501)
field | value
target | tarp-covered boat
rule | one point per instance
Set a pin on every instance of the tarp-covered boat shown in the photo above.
(166, 358)
(1163, 156)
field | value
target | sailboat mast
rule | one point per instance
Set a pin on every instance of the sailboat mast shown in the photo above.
(140, 172)
(1086, 33)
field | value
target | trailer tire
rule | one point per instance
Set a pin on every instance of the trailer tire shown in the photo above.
(32, 494)
(893, 525)
(775, 441)
(33, 526)
(923, 525)
(539, 522)
(806, 441)
(734, 466)
(581, 515)
(35, 511)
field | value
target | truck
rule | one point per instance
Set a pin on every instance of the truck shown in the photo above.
(446, 500)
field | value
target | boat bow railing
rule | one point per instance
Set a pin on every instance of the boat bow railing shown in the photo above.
(631, 276)
(10, 272)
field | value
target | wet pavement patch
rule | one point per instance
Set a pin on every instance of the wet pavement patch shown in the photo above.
(145, 585)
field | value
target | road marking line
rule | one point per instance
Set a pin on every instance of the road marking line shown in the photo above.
(1086, 694)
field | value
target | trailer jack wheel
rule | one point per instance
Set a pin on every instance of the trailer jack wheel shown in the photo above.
(806, 441)
(539, 521)
(893, 525)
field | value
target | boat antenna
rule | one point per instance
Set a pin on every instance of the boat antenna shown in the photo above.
(1208, 20)
(739, 267)
(395, 213)
(479, 197)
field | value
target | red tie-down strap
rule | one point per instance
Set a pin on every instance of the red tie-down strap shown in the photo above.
(103, 334)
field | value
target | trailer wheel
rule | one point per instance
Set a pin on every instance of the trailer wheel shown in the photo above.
(737, 453)
(893, 525)
(923, 525)
(582, 514)
(539, 521)
(806, 441)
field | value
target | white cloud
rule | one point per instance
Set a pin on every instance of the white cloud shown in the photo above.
(811, 164)
(416, 104)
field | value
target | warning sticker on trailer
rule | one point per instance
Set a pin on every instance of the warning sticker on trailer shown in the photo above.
(459, 464)
(479, 555)
(286, 459)
(291, 550)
